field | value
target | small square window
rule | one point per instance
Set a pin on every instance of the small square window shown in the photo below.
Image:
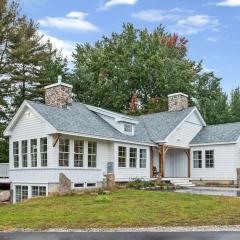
(78, 185)
(128, 127)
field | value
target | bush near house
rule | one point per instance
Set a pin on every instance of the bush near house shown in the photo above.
(141, 184)
(127, 208)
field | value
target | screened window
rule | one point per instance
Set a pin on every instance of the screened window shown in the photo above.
(34, 152)
(197, 159)
(133, 157)
(16, 154)
(128, 127)
(38, 191)
(209, 159)
(78, 153)
(21, 193)
(143, 158)
(43, 152)
(24, 153)
(64, 153)
(92, 154)
(121, 156)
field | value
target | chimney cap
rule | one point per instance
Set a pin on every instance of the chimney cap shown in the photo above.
(179, 93)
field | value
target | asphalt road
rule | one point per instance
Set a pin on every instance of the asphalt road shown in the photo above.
(122, 236)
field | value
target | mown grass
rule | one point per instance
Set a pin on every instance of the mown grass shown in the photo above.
(126, 208)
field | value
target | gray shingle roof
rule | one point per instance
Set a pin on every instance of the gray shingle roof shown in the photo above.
(79, 119)
(228, 132)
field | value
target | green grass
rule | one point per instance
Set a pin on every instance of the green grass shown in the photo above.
(126, 208)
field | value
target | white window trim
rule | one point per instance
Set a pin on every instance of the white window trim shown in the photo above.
(198, 159)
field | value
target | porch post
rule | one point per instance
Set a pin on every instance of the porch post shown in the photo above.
(151, 161)
(162, 151)
(189, 161)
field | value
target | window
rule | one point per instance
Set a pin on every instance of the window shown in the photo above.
(34, 152)
(128, 127)
(43, 151)
(78, 185)
(121, 156)
(64, 153)
(91, 184)
(16, 154)
(209, 159)
(132, 157)
(38, 191)
(78, 153)
(24, 153)
(197, 159)
(21, 193)
(143, 158)
(92, 154)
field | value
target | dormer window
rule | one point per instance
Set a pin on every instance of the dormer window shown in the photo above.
(128, 128)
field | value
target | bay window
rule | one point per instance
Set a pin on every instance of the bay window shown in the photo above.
(24, 153)
(92, 154)
(16, 154)
(33, 144)
(43, 151)
(122, 156)
(143, 158)
(78, 153)
(133, 157)
(64, 152)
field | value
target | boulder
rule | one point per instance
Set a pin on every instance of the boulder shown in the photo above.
(5, 196)
(64, 185)
(110, 181)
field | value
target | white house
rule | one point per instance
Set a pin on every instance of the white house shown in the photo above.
(86, 142)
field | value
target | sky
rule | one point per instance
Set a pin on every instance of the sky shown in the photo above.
(211, 26)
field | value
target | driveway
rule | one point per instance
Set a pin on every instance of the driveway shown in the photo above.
(122, 236)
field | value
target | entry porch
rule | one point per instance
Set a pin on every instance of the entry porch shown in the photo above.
(170, 162)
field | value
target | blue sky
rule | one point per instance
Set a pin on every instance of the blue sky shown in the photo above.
(211, 26)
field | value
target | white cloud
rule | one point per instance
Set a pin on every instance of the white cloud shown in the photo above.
(229, 3)
(196, 23)
(180, 20)
(65, 46)
(211, 39)
(112, 3)
(72, 21)
(155, 15)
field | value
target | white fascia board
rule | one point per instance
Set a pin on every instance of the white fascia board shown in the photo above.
(105, 138)
(117, 116)
(211, 144)
(178, 93)
(24, 105)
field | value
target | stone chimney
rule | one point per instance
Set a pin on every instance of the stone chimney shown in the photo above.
(58, 94)
(177, 101)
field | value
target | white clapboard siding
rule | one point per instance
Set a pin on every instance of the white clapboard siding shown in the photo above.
(127, 173)
(226, 159)
(183, 134)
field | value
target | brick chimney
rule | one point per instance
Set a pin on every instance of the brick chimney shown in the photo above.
(177, 101)
(58, 94)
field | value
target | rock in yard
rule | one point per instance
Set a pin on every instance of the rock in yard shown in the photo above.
(5, 196)
(64, 185)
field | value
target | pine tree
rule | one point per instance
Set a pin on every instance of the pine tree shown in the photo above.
(235, 105)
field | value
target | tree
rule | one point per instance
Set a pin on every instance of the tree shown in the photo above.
(235, 105)
(150, 64)
(27, 63)
(211, 100)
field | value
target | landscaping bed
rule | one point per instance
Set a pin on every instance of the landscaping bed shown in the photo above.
(121, 208)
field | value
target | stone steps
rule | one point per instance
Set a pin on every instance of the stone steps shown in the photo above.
(184, 182)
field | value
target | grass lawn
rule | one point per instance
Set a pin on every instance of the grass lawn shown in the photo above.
(127, 208)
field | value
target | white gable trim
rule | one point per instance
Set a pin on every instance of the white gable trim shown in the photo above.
(172, 132)
(25, 104)
(117, 116)
(105, 138)
(211, 144)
